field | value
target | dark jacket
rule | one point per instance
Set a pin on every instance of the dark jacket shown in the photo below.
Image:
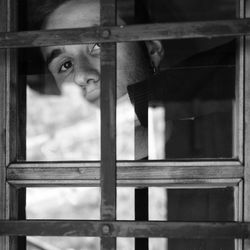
(197, 96)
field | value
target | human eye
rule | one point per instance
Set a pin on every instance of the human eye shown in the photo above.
(95, 49)
(65, 66)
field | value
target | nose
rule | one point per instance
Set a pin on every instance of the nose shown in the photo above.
(85, 73)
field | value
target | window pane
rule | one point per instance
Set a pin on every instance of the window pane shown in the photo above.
(159, 11)
(191, 204)
(81, 203)
(157, 203)
(125, 243)
(125, 203)
(200, 205)
(63, 203)
(61, 243)
(155, 11)
(184, 110)
(33, 13)
(170, 244)
(199, 116)
(191, 93)
(158, 244)
(39, 14)
(61, 126)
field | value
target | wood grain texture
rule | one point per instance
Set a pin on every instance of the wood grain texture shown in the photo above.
(128, 173)
(108, 124)
(247, 128)
(17, 211)
(3, 202)
(3, 79)
(238, 142)
(238, 107)
(108, 117)
(176, 183)
(108, 131)
(15, 127)
(186, 230)
(204, 29)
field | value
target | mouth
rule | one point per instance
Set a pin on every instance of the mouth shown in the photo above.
(92, 93)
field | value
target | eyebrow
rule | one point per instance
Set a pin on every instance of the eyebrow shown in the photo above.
(53, 54)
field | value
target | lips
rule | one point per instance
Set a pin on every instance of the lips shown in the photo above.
(92, 93)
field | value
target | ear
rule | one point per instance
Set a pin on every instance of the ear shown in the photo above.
(156, 52)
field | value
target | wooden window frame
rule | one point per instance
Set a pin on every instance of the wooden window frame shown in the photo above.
(16, 174)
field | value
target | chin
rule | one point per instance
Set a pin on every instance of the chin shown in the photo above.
(95, 102)
(93, 96)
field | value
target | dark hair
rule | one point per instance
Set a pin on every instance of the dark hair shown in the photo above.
(36, 13)
(32, 16)
(39, 10)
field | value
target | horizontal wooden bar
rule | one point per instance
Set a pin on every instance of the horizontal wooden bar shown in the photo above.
(167, 183)
(186, 230)
(128, 173)
(148, 163)
(142, 32)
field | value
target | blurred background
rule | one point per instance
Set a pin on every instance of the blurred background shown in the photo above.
(65, 127)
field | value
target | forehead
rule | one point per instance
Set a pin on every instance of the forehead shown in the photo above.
(75, 14)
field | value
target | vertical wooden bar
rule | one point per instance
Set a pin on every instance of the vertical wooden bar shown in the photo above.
(247, 128)
(15, 128)
(108, 136)
(16, 99)
(3, 80)
(238, 210)
(238, 121)
(17, 199)
(108, 124)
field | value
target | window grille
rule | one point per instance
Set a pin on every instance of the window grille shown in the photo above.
(17, 174)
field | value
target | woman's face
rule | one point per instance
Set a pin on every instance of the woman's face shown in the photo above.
(81, 63)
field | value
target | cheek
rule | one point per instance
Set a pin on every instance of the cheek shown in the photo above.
(125, 62)
(60, 80)
(124, 69)
(123, 56)
(96, 63)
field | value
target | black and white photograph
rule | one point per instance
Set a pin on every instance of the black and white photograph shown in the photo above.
(124, 125)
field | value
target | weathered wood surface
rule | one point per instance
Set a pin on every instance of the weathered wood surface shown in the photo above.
(128, 173)
(204, 29)
(187, 230)
(238, 107)
(168, 183)
(108, 131)
(246, 203)
(127, 164)
(247, 140)
(3, 79)
(108, 125)
(4, 205)
(15, 128)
